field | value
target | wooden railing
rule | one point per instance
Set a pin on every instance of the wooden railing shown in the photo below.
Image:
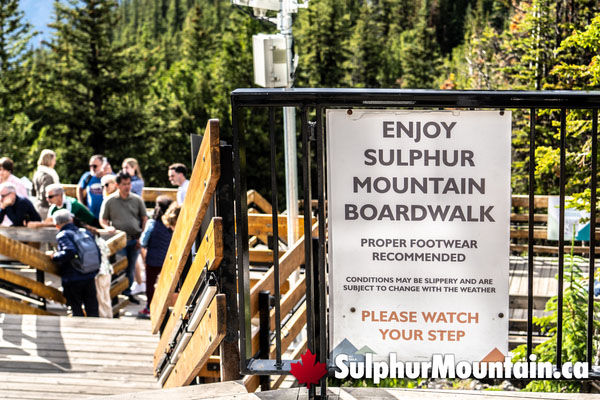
(19, 244)
(519, 229)
(149, 194)
(186, 345)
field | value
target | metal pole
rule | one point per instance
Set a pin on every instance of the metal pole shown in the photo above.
(289, 131)
(264, 334)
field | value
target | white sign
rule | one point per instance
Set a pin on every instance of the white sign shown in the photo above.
(419, 211)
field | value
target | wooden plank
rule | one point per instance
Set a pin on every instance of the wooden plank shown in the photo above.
(117, 242)
(231, 390)
(540, 201)
(550, 249)
(27, 255)
(122, 348)
(520, 301)
(98, 323)
(122, 302)
(26, 394)
(524, 233)
(203, 183)
(60, 355)
(117, 288)
(75, 378)
(212, 368)
(204, 342)
(525, 217)
(298, 351)
(262, 224)
(253, 197)
(37, 288)
(210, 254)
(148, 195)
(289, 301)
(264, 256)
(287, 304)
(92, 388)
(291, 330)
(287, 264)
(40, 235)
(251, 383)
(77, 336)
(120, 265)
(24, 234)
(288, 332)
(537, 233)
(16, 307)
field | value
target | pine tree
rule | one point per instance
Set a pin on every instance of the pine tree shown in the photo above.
(420, 54)
(15, 57)
(394, 17)
(95, 86)
(321, 34)
(16, 97)
(365, 45)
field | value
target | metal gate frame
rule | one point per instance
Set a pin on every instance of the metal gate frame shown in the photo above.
(311, 132)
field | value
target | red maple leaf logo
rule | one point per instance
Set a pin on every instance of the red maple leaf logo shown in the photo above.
(309, 371)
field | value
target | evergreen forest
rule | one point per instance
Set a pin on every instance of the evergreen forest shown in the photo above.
(133, 78)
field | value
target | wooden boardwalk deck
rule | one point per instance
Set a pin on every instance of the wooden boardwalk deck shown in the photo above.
(47, 357)
(545, 284)
(236, 391)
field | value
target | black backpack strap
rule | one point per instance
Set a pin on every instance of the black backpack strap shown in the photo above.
(87, 180)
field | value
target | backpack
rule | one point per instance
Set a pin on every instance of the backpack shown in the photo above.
(87, 259)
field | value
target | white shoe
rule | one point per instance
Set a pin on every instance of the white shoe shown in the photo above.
(138, 288)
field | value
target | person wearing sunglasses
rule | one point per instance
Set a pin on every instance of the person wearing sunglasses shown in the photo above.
(109, 185)
(55, 194)
(15, 210)
(89, 188)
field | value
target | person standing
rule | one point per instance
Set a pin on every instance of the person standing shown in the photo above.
(177, 177)
(78, 288)
(131, 166)
(155, 242)
(14, 209)
(44, 175)
(6, 176)
(126, 212)
(89, 188)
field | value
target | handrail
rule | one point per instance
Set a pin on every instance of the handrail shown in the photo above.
(202, 186)
(149, 194)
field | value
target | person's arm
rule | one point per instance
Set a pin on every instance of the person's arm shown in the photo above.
(105, 217)
(44, 224)
(142, 213)
(145, 238)
(81, 193)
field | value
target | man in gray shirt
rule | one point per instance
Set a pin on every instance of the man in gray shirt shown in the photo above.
(126, 212)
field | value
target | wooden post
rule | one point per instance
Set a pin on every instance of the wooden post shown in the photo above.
(229, 350)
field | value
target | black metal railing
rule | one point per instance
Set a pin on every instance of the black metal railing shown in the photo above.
(312, 102)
